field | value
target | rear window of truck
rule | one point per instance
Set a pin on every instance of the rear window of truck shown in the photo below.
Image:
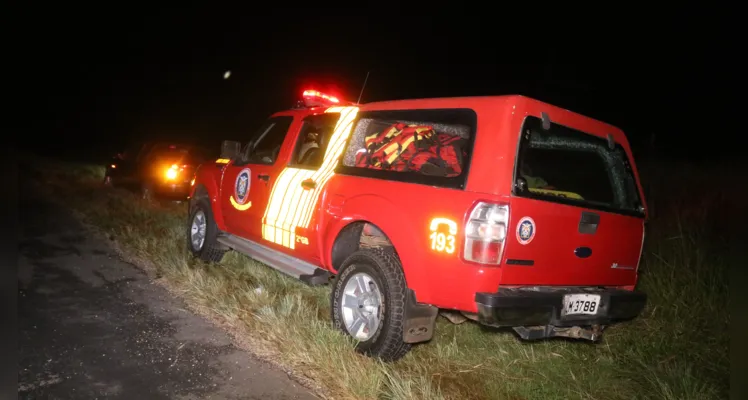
(573, 167)
(428, 146)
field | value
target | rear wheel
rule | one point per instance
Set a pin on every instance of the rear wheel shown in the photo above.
(202, 233)
(368, 300)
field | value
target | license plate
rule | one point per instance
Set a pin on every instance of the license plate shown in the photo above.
(585, 304)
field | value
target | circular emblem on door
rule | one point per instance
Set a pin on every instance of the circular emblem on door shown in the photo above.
(525, 230)
(241, 187)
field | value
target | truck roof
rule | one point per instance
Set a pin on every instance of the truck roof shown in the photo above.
(480, 101)
(314, 101)
(437, 101)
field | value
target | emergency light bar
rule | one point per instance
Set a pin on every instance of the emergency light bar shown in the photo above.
(314, 98)
(318, 95)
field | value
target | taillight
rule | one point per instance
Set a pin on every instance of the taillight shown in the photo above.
(485, 233)
(173, 171)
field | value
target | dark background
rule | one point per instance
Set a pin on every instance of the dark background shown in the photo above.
(104, 76)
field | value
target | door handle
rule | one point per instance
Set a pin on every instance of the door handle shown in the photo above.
(263, 177)
(308, 184)
(588, 222)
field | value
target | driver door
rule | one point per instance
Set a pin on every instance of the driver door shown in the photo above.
(246, 181)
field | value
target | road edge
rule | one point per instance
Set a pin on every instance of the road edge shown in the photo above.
(240, 337)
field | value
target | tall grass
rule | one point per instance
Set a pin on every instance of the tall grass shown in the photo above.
(676, 350)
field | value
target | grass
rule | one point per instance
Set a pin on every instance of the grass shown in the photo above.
(678, 349)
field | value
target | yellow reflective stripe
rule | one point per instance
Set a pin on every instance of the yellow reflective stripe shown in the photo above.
(323, 175)
(289, 205)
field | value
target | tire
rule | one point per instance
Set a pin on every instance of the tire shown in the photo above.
(384, 270)
(209, 250)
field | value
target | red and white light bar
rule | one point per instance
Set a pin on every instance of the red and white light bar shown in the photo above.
(316, 95)
(315, 98)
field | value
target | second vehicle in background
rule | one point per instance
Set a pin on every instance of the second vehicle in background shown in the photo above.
(157, 169)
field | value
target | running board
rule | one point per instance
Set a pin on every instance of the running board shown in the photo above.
(289, 265)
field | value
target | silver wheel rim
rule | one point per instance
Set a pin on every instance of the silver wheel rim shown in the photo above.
(197, 231)
(360, 306)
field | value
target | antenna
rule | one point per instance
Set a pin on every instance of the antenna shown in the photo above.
(362, 88)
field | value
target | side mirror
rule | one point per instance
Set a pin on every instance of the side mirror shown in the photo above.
(230, 149)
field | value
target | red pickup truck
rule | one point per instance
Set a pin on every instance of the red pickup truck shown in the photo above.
(511, 211)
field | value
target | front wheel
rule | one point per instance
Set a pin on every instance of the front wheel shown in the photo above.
(368, 301)
(202, 233)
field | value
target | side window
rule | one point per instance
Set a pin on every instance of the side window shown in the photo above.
(314, 137)
(265, 144)
(412, 144)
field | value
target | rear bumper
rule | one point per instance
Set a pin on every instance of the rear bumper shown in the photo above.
(542, 306)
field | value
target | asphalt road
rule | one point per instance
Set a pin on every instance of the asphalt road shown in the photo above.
(92, 326)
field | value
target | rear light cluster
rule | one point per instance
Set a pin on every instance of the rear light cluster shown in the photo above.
(173, 171)
(485, 233)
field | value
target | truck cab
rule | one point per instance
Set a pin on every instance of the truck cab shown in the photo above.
(508, 210)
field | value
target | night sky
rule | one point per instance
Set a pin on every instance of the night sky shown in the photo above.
(108, 76)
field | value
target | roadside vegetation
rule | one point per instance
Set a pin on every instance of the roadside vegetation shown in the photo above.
(678, 349)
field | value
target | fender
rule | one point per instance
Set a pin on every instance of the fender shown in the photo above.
(419, 318)
(207, 177)
(390, 219)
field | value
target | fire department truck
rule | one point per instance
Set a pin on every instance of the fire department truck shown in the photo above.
(503, 209)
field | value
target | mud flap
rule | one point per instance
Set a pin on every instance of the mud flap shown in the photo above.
(419, 319)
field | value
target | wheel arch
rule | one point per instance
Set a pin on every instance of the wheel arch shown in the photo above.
(207, 188)
(350, 234)
(418, 319)
(352, 237)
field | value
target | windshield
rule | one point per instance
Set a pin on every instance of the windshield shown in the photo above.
(569, 166)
